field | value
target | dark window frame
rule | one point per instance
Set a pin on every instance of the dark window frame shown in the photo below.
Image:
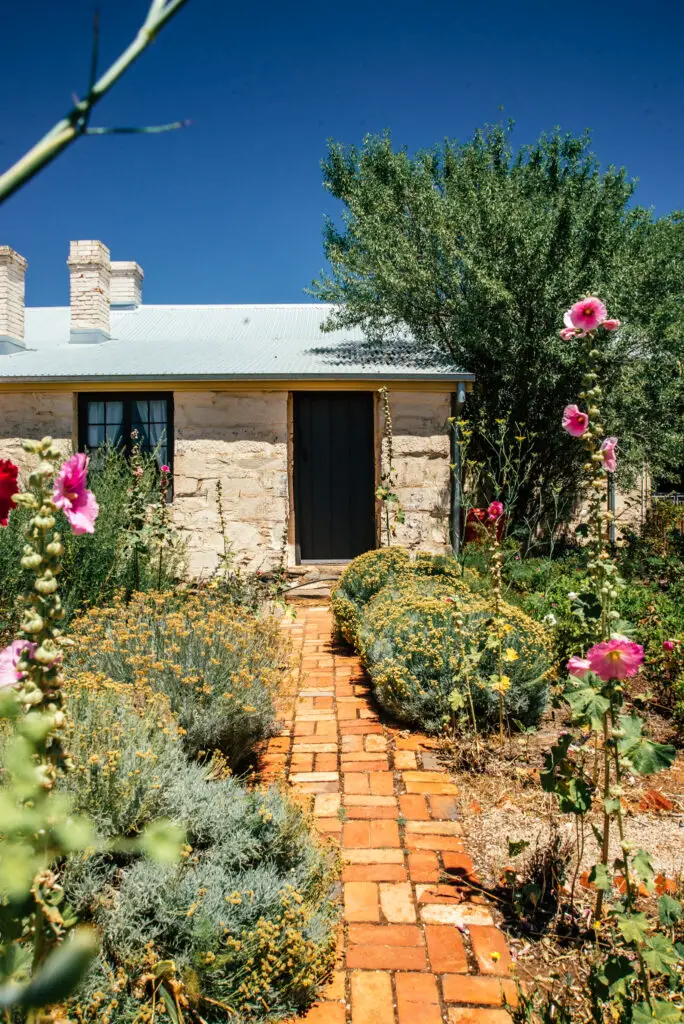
(127, 398)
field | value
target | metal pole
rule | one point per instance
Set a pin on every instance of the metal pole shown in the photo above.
(458, 398)
(611, 508)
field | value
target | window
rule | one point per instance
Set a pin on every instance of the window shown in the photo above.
(112, 418)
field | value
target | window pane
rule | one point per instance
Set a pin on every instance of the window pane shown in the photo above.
(141, 413)
(113, 433)
(96, 436)
(96, 412)
(114, 412)
(158, 412)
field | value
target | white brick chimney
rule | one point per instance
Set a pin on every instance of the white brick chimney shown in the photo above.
(90, 277)
(127, 279)
(12, 275)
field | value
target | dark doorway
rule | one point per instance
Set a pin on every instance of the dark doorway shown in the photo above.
(334, 475)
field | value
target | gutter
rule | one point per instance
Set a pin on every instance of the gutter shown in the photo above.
(458, 399)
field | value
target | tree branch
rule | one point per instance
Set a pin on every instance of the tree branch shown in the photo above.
(75, 123)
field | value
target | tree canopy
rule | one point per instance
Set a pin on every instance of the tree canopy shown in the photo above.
(471, 252)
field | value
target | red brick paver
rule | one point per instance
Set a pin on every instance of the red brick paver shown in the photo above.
(413, 948)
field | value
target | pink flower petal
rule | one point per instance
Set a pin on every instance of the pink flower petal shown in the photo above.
(615, 659)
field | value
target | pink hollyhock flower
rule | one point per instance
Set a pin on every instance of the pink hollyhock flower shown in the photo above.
(9, 658)
(578, 666)
(575, 421)
(568, 333)
(609, 457)
(615, 659)
(138, 471)
(72, 496)
(8, 488)
(165, 468)
(495, 510)
(610, 325)
(586, 315)
(668, 645)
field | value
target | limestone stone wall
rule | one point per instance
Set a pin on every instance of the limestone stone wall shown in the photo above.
(239, 438)
(34, 414)
(421, 462)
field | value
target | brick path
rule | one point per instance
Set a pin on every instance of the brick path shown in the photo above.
(415, 948)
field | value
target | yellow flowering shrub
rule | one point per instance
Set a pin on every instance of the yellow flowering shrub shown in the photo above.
(368, 574)
(219, 665)
(243, 928)
(414, 630)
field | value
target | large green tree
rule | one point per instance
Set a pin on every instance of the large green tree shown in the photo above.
(469, 254)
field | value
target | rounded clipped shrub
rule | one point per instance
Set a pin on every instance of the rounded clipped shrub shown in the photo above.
(219, 665)
(413, 650)
(399, 613)
(242, 928)
(368, 574)
(360, 581)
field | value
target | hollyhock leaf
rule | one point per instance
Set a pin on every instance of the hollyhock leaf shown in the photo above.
(660, 954)
(587, 703)
(600, 877)
(645, 756)
(670, 911)
(633, 927)
(643, 868)
(658, 1010)
(617, 970)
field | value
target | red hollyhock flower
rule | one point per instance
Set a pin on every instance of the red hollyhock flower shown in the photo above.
(9, 475)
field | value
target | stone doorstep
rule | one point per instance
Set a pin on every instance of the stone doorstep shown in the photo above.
(405, 960)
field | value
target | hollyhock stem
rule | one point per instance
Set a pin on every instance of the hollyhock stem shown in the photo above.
(605, 845)
(41, 664)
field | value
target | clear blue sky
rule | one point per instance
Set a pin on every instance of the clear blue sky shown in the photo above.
(230, 210)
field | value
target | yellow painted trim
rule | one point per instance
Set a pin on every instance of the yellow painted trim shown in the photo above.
(254, 385)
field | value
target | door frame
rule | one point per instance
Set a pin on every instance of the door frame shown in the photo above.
(294, 556)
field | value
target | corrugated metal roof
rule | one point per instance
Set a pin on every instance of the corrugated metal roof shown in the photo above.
(264, 342)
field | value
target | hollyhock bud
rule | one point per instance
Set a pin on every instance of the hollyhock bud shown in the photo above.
(568, 333)
(165, 468)
(610, 325)
(668, 645)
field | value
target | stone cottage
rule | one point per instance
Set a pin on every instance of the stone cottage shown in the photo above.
(287, 418)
